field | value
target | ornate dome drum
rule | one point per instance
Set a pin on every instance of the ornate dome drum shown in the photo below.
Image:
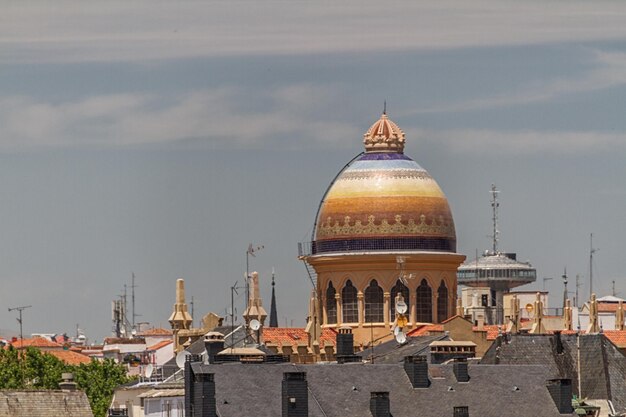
(384, 201)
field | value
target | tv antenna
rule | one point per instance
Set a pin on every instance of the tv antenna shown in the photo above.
(494, 206)
(19, 320)
(592, 250)
(544, 281)
(251, 251)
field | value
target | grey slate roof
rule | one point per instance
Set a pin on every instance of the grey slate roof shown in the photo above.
(392, 352)
(344, 390)
(44, 404)
(602, 365)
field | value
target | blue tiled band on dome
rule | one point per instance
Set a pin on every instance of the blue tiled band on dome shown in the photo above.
(384, 244)
(383, 156)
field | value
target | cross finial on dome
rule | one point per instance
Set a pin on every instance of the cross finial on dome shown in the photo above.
(384, 136)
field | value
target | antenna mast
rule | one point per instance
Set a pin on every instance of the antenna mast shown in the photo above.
(592, 250)
(494, 205)
(132, 289)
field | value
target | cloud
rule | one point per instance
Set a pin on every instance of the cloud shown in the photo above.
(217, 118)
(526, 142)
(609, 71)
(69, 31)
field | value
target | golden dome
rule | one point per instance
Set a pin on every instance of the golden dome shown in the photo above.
(383, 200)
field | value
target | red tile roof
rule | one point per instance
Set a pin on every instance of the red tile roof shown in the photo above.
(294, 335)
(70, 357)
(39, 342)
(607, 307)
(156, 331)
(160, 345)
(618, 337)
(425, 329)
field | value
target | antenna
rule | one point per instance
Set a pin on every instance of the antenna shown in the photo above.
(250, 252)
(564, 276)
(578, 285)
(494, 205)
(132, 288)
(19, 310)
(544, 281)
(385, 107)
(181, 358)
(148, 371)
(191, 303)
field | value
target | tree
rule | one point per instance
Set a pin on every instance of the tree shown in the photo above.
(31, 368)
(99, 379)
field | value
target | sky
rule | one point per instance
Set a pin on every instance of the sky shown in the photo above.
(162, 138)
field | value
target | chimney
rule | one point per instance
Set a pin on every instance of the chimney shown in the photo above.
(295, 400)
(416, 368)
(561, 392)
(558, 343)
(379, 404)
(204, 395)
(462, 411)
(459, 367)
(214, 344)
(68, 383)
(345, 346)
(189, 378)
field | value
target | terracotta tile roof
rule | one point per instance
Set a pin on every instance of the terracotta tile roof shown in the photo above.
(425, 330)
(607, 307)
(618, 337)
(160, 345)
(70, 357)
(294, 335)
(156, 331)
(39, 342)
(491, 329)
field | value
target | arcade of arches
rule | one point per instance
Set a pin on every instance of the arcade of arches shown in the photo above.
(359, 292)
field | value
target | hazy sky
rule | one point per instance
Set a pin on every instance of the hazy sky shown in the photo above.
(164, 137)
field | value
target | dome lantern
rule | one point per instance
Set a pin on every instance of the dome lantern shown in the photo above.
(384, 136)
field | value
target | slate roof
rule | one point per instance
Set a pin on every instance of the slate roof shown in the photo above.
(392, 352)
(344, 390)
(44, 404)
(602, 365)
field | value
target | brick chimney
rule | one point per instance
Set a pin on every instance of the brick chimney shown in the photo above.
(459, 367)
(416, 368)
(561, 392)
(295, 399)
(379, 404)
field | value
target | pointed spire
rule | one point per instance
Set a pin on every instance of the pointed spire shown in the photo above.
(273, 314)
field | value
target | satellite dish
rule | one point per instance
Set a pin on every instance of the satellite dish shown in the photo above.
(148, 371)
(396, 331)
(255, 324)
(401, 338)
(401, 307)
(181, 358)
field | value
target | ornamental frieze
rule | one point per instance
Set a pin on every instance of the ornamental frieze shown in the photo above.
(437, 226)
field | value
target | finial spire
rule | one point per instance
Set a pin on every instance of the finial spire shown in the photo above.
(384, 135)
(273, 313)
(494, 205)
(385, 107)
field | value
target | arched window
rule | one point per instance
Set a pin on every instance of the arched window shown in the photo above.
(349, 305)
(374, 303)
(442, 302)
(402, 289)
(331, 305)
(424, 304)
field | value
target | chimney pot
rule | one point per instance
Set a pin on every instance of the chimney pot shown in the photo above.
(379, 404)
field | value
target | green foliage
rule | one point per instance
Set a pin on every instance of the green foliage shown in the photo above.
(98, 379)
(33, 369)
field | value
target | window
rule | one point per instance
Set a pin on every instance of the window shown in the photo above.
(374, 303)
(331, 304)
(424, 304)
(349, 304)
(402, 289)
(442, 302)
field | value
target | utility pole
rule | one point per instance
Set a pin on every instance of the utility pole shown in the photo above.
(20, 309)
(132, 289)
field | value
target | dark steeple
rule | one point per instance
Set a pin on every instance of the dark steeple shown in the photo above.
(273, 314)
